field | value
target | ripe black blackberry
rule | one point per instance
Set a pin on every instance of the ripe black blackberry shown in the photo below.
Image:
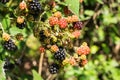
(4, 1)
(9, 45)
(8, 65)
(54, 68)
(21, 25)
(42, 35)
(60, 54)
(78, 25)
(34, 7)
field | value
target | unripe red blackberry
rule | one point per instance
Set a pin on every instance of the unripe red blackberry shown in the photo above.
(78, 25)
(62, 23)
(53, 21)
(22, 5)
(60, 54)
(72, 61)
(54, 68)
(35, 7)
(9, 45)
(83, 49)
(4, 1)
(41, 49)
(76, 34)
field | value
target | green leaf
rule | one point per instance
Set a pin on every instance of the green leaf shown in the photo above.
(14, 30)
(89, 12)
(73, 5)
(6, 22)
(36, 76)
(100, 1)
(2, 74)
(106, 48)
(101, 34)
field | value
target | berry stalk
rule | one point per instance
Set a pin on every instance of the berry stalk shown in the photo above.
(40, 63)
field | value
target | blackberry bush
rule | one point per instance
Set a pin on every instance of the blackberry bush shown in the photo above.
(50, 34)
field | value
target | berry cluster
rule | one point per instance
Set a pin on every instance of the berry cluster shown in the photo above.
(59, 55)
(56, 34)
(59, 37)
(29, 8)
(8, 43)
(57, 20)
(78, 59)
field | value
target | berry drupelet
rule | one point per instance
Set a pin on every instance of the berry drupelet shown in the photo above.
(78, 25)
(9, 45)
(60, 54)
(34, 7)
(4, 1)
(54, 68)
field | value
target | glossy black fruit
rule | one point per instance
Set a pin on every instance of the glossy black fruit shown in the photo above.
(54, 68)
(60, 54)
(34, 7)
(9, 45)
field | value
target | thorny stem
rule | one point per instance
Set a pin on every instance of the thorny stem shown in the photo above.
(2, 28)
(40, 63)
